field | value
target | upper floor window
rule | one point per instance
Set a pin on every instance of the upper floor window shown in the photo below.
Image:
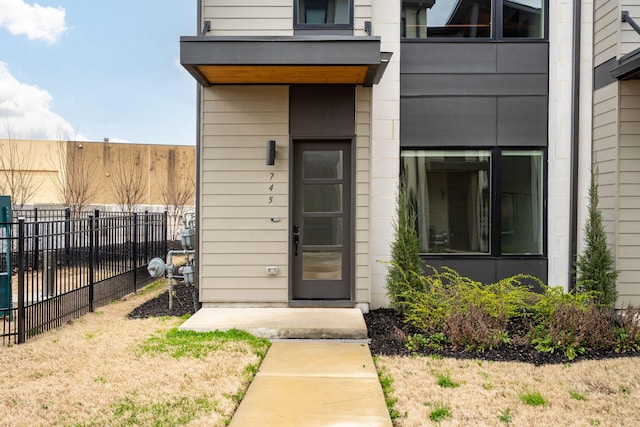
(323, 13)
(473, 19)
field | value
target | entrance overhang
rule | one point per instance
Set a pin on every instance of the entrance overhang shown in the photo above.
(628, 67)
(214, 60)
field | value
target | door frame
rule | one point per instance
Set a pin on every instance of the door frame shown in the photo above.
(351, 302)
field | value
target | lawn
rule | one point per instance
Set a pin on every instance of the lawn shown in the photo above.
(105, 369)
(459, 392)
(108, 370)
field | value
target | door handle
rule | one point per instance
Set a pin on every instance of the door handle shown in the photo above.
(296, 239)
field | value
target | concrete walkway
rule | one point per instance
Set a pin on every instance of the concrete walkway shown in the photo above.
(305, 383)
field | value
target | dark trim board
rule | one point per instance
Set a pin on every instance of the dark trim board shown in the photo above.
(197, 53)
(602, 74)
(490, 270)
(628, 67)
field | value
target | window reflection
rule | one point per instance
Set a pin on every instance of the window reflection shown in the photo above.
(451, 193)
(447, 18)
(472, 18)
(323, 12)
(522, 18)
(521, 202)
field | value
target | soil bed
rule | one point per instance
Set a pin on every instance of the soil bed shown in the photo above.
(388, 333)
(159, 306)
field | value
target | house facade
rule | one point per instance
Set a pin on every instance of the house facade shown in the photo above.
(310, 111)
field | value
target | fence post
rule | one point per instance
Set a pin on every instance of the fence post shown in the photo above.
(92, 253)
(36, 240)
(146, 237)
(67, 235)
(21, 302)
(134, 252)
(165, 230)
(96, 216)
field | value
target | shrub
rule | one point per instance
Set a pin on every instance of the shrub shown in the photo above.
(469, 314)
(571, 323)
(475, 329)
(628, 330)
(405, 268)
(595, 266)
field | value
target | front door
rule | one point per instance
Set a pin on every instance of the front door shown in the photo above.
(321, 231)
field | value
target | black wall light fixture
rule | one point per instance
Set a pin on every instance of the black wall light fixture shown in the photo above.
(271, 153)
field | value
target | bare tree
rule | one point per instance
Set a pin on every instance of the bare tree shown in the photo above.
(17, 171)
(76, 182)
(127, 179)
(177, 189)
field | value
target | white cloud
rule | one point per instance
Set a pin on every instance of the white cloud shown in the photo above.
(34, 21)
(25, 112)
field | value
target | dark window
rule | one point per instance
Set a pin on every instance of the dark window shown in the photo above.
(523, 18)
(322, 13)
(521, 202)
(452, 190)
(472, 19)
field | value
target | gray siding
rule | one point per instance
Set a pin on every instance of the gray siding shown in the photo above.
(237, 240)
(628, 244)
(629, 38)
(474, 94)
(363, 193)
(249, 18)
(606, 27)
(605, 137)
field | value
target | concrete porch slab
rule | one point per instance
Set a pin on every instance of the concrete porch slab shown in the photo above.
(282, 323)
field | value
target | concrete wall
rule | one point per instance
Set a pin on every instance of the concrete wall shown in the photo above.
(385, 147)
(109, 163)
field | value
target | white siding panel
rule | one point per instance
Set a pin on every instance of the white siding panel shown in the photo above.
(363, 155)
(225, 293)
(606, 29)
(629, 189)
(253, 17)
(629, 40)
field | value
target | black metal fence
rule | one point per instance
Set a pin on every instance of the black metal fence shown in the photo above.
(63, 267)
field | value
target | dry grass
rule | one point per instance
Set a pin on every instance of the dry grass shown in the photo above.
(589, 393)
(93, 373)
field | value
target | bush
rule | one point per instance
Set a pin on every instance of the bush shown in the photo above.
(595, 270)
(571, 323)
(470, 314)
(476, 329)
(628, 330)
(405, 268)
(448, 308)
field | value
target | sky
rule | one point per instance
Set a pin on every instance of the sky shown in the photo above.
(89, 70)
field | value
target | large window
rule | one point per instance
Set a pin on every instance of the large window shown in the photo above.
(322, 13)
(473, 19)
(484, 202)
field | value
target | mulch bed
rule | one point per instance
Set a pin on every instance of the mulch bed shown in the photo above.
(388, 333)
(159, 306)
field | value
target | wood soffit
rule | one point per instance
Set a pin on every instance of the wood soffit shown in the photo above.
(292, 60)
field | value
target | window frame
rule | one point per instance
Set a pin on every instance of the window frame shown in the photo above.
(497, 16)
(495, 215)
(322, 27)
